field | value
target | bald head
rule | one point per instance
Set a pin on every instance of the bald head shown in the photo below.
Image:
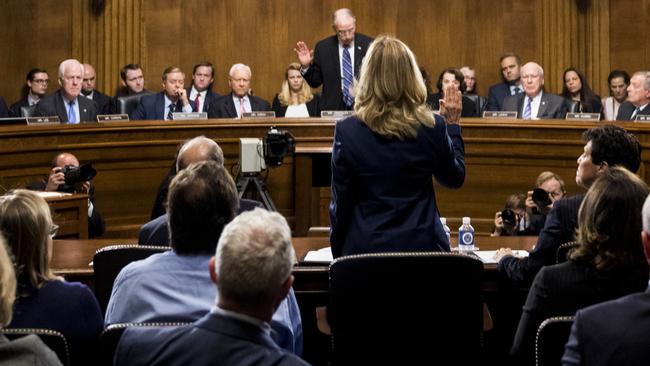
(90, 77)
(532, 78)
(344, 25)
(198, 149)
(64, 159)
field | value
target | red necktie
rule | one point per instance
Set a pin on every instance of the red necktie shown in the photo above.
(197, 102)
(242, 109)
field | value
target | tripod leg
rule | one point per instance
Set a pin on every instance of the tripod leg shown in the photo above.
(264, 194)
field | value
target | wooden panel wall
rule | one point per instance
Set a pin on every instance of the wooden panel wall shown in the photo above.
(593, 35)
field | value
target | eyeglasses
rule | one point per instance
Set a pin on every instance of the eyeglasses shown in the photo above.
(54, 229)
(41, 81)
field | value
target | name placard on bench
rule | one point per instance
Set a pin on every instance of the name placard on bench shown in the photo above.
(259, 114)
(582, 116)
(112, 118)
(642, 118)
(500, 114)
(336, 114)
(42, 121)
(189, 115)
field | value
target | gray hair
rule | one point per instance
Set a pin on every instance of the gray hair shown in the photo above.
(342, 12)
(204, 147)
(254, 256)
(645, 215)
(240, 66)
(646, 75)
(539, 68)
(69, 63)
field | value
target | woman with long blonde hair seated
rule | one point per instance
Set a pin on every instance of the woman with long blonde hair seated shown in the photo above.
(296, 98)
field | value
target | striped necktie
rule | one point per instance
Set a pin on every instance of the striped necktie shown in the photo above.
(170, 114)
(529, 108)
(347, 77)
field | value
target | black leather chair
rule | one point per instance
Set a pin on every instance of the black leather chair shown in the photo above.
(406, 308)
(552, 335)
(109, 261)
(128, 103)
(110, 338)
(53, 339)
(27, 111)
(563, 251)
(479, 101)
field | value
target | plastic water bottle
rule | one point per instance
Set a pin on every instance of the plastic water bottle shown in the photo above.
(466, 236)
(443, 221)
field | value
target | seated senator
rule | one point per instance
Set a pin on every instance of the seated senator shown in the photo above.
(295, 99)
(162, 105)
(240, 100)
(447, 77)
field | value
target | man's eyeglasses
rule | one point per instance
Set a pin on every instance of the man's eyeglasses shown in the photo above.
(54, 229)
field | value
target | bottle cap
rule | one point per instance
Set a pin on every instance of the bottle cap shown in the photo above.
(443, 220)
(466, 220)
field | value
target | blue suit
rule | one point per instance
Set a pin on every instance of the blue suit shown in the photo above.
(214, 339)
(152, 107)
(382, 188)
(496, 95)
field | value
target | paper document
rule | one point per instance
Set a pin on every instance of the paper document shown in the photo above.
(320, 255)
(44, 194)
(487, 256)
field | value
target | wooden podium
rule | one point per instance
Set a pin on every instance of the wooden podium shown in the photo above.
(70, 212)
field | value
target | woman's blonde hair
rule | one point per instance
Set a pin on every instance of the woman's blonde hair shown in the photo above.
(391, 95)
(25, 221)
(305, 95)
(7, 285)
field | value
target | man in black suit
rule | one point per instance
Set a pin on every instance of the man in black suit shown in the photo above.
(88, 90)
(162, 105)
(65, 103)
(34, 90)
(534, 103)
(201, 89)
(511, 85)
(605, 146)
(638, 97)
(332, 64)
(239, 100)
(617, 332)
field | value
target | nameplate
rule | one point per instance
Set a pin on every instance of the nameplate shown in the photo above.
(336, 114)
(259, 114)
(642, 118)
(112, 118)
(583, 116)
(38, 121)
(500, 114)
(190, 115)
(13, 121)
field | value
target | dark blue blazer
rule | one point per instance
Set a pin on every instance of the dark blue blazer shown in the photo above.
(214, 339)
(496, 95)
(52, 105)
(626, 109)
(613, 333)
(14, 110)
(210, 98)
(4, 112)
(382, 188)
(224, 107)
(102, 102)
(152, 107)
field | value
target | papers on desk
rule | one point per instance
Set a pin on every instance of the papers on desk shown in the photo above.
(320, 255)
(44, 194)
(487, 256)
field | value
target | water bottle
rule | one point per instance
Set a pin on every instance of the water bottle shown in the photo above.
(466, 236)
(443, 221)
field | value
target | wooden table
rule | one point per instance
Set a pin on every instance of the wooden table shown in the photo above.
(70, 212)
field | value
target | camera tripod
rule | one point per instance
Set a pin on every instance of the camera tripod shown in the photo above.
(255, 184)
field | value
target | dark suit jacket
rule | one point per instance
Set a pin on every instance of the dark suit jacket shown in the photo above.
(152, 107)
(210, 98)
(4, 112)
(102, 102)
(558, 229)
(224, 107)
(52, 105)
(564, 288)
(214, 339)
(496, 95)
(551, 106)
(469, 107)
(614, 333)
(326, 69)
(14, 110)
(382, 191)
(312, 107)
(626, 109)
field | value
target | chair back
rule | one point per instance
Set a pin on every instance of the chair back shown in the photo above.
(52, 339)
(109, 261)
(401, 308)
(552, 335)
(563, 251)
(110, 337)
(128, 103)
(27, 111)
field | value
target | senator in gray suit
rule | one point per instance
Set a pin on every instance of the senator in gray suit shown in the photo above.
(534, 103)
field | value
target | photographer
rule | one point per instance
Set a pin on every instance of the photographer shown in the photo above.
(56, 181)
(514, 219)
(537, 204)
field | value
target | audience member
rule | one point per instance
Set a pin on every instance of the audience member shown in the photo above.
(55, 182)
(384, 156)
(576, 89)
(65, 102)
(614, 333)
(174, 286)
(335, 62)
(606, 146)
(638, 97)
(295, 99)
(618, 82)
(240, 100)
(471, 89)
(34, 90)
(608, 263)
(102, 101)
(43, 299)
(252, 272)
(511, 84)
(162, 105)
(534, 102)
(201, 89)
(132, 80)
(455, 77)
(23, 351)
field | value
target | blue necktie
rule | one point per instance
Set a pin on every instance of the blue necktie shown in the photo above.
(72, 116)
(347, 77)
(528, 109)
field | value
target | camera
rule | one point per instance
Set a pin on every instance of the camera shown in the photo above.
(541, 198)
(509, 218)
(76, 174)
(277, 145)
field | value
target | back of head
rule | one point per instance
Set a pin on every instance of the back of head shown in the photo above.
(609, 222)
(254, 256)
(198, 149)
(7, 285)
(25, 222)
(391, 95)
(613, 145)
(202, 199)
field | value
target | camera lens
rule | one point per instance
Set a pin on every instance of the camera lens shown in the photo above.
(541, 197)
(509, 218)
